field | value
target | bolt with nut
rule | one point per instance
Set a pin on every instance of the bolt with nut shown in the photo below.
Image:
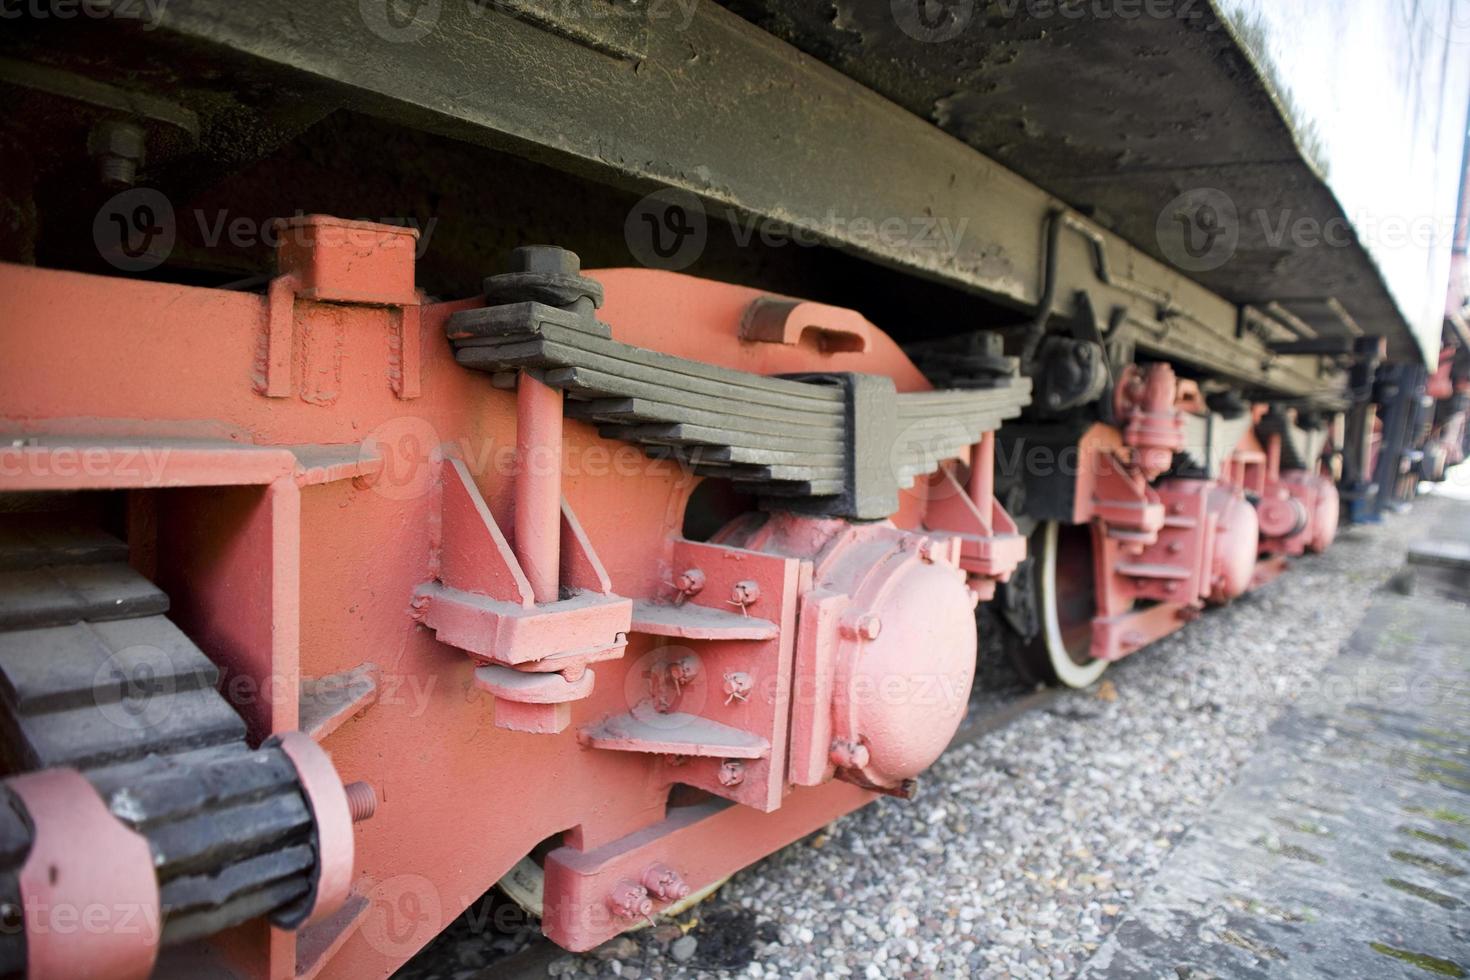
(119, 149)
(847, 754)
(689, 583)
(664, 883)
(745, 594)
(738, 685)
(629, 900)
(732, 772)
(684, 670)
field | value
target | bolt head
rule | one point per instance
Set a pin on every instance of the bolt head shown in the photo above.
(865, 627)
(545, 260)
(732, 772)
(745, 592)
(664, 883)
(117, 138)
(629, 900)
(848, 755)
(690, 581)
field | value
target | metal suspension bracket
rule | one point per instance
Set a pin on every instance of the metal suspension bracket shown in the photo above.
(538, 609)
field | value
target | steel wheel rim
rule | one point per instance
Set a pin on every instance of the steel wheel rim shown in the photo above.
(1067, 603)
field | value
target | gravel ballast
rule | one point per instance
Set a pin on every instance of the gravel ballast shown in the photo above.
(1023, 849)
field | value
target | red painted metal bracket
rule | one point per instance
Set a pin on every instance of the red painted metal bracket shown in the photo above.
(591, 896)
(536, 656)
(775, 320)
(715, 708)
(991, 545)
(330, 260)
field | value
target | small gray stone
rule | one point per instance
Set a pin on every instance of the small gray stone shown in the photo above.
(683, 948)
(619, 948)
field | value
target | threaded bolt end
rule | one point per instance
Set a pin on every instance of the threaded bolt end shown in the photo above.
(362, 801)
(118, 171)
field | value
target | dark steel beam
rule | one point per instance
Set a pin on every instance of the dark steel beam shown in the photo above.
(693, 97)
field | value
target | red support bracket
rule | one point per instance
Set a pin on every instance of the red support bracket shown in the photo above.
(715, 708)
(591, 896)
(1122, 498)
(330, 260)
(536, 656)
(991, 545)
(1114, 637)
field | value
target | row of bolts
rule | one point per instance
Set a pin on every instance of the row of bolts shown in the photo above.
(630, 899)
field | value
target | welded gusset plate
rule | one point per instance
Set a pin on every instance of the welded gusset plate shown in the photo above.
(841, 445)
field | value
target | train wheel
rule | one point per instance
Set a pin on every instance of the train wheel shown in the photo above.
(1065, 604)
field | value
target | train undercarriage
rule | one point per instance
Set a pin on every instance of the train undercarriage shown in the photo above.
(708, 556)
(350, 566)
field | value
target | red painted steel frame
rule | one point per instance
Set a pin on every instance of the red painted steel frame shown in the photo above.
(285, 455)
(1177, 545)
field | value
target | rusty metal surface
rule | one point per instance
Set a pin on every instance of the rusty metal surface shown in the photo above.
(1118, 114)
